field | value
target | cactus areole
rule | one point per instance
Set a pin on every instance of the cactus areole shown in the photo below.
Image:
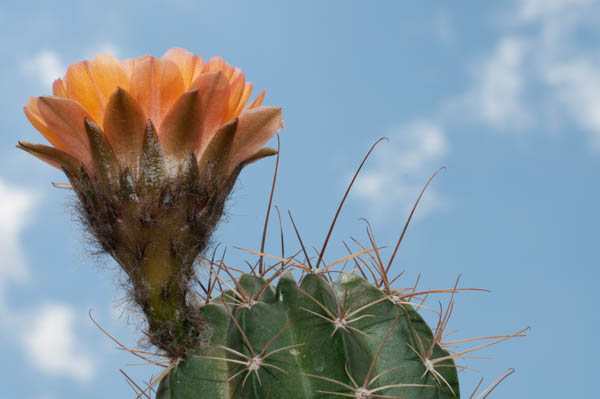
(152, 148)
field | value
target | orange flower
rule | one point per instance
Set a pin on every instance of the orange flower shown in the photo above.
(152, 148)
(186, 99)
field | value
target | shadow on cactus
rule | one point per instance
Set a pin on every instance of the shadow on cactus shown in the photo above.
(152, 148)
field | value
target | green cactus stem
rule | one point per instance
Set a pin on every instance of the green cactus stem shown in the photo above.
(313, 340)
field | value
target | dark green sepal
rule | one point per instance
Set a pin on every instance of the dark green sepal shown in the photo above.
(127, 186)
(54, 156)
(106, 165)
(151, 164)
(190, 172)
(260, 154)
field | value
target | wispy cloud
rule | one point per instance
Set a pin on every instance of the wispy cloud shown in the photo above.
(16, 208)
(577, 86)
(496, 95)
(46, 334)
(52, 345)
(531, 10)
(401, 167)
(539, 63)
(45, 66)
(536, 64)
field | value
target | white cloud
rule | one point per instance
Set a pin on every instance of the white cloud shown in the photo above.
(539, 63)
(46, 66)
(47, 335)
(496, 95)
(52, 345)
(16, 207)
(530, 10)
(541, 72)
(565, 66)
(400, 169)
(577, 86)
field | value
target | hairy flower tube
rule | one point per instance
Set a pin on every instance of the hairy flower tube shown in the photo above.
(152, 148)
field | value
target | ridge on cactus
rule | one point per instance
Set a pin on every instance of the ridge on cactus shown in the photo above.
(152, 148)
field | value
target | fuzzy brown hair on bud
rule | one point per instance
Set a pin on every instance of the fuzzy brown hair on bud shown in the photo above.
(152, 148)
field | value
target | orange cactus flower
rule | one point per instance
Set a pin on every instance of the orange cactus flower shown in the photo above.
(152, 148)
(186, 99)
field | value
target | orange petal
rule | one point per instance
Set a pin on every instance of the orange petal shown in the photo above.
(258, 100)
(243, 100)
(33, 114)
(215, 158)
(107, 74)
(213, 96)
(218, 64)
(237, 90)
(65, 118)
(198, 69)
(181, 130)
(190, 65)
(156, 85)
(58, 88)
(124, 125)
(255, 128)
(81, 88)
(128, 66)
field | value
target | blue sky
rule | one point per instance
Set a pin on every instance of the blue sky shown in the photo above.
(505, 94)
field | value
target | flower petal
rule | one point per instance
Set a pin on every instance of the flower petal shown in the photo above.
(107, 74)
(181, 130)
(255, 128)
(215, 158)
(258, 100)
(32, 113)
(65, 119)
(190, 65)
(244, 99)
(128, 66)
(81, 88)
(235, 96)
(209, 111)
(58, 88)
(218, 64)
(124, 125)
(156, 85)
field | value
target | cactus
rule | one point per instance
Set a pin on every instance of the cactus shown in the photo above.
(152, 148)
(313, 340)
